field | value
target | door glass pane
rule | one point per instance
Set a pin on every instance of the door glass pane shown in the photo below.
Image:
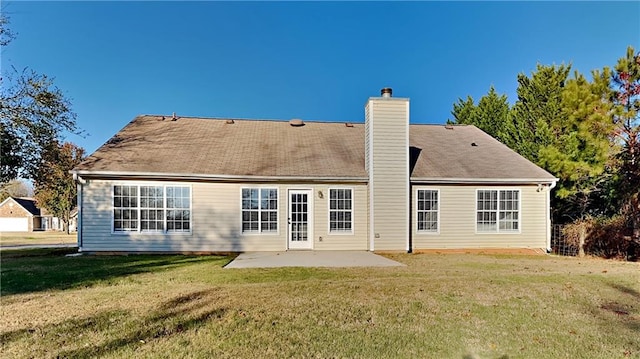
(298, 217)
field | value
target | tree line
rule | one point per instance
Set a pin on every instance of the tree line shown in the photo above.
(585, 131)
(34, 117)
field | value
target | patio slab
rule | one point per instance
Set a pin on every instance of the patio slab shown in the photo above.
(311, 259)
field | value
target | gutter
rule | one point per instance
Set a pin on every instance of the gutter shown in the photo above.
(457, 180)
(209, 177)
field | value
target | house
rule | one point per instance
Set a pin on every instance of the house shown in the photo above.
(23, 215)
(181, 184)
(73, 220)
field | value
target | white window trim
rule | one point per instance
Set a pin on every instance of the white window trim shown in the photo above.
(113, 210)
(498, 231)
(431, 233)
(164, 211)
(259, 232)
(350, 232)
(139, 231)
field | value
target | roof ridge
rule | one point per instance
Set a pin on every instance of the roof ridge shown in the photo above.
(249, 119)
(284, 120)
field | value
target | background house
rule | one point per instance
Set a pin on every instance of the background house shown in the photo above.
(175, 184)
(23, 215)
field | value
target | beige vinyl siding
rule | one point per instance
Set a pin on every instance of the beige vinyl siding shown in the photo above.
(367, 157)
(215, 220)
(388, 172)
(458, 220)
(357, 239)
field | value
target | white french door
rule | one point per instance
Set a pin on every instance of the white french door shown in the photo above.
(300, 219)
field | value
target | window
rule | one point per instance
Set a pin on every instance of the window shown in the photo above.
(143, 208)
(178, 209)
(340, 210)
(151, 208)
(508, 218)
(259, 210)
(428, 206)
(125, 208)
(498, 211)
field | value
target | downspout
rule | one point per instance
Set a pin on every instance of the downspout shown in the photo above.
(548, 207)
(410, 218)
(79, 183)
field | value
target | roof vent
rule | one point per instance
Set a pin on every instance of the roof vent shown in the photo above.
(296, 122)
(230, 121)
(386, 92)
(473, 144)
(448, 126)
(174, 117)
(348, 124)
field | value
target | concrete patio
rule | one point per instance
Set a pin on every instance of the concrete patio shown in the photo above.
(311, 259)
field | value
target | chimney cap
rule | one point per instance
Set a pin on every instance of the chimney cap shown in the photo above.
(386, 92)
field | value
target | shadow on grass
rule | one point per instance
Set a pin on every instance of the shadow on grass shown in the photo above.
(114, 328)
(26, 271)
(621, 311)
(626, 290)
(624, 312)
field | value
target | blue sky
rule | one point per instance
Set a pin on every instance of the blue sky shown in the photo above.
(312, 60)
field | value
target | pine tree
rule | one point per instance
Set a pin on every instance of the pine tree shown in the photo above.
(539, 104)
(579, 143)
(491, 115)
(627, 120)
(464, 112)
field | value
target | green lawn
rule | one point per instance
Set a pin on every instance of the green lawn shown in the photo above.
(438, 306)
(22, 238)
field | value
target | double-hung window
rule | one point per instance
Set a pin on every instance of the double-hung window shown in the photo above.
(340, 210)
(178, 209)
(428, 209)
(498, 211)
(151, 208)
(259, 210)
(125, 208)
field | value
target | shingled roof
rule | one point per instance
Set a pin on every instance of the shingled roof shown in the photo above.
(28, 204)
(266, 148)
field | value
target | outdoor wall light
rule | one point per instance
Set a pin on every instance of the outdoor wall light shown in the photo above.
(320, 194)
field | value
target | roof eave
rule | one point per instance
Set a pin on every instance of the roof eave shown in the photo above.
(212, 177)
(444, 180)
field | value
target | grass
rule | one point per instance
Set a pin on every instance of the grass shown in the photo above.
(438, 306)
(32, 238)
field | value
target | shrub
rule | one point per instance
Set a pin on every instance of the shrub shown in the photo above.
(607, 237)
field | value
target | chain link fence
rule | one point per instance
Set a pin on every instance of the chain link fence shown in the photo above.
(559, 243)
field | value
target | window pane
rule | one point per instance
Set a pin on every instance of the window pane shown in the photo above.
(125, 208)
(259, 207)
(180, 203)
(427, 209)
(509, 210)
(340, 206)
